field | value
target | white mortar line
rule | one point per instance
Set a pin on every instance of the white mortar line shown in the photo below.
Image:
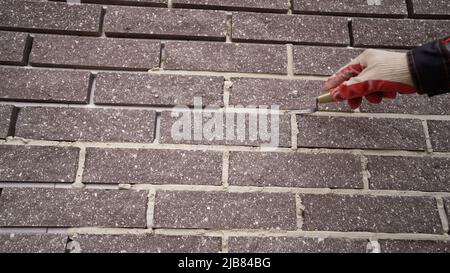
(298, 233)
(227, 89)
(170, 4)
(251, 189)
(442, 214)
(81, 165)
(225, 168)
(225, 244)
(229, 233)
(157, 128)
(427, 136)
(290, 60)
(231, 110)
(107, 231)
(290, 6)
(294, 131)
(365, 171)
(183, 73)
(151, 208)
(299, 208)
(229, 27)
(22, 230)
(219, 148)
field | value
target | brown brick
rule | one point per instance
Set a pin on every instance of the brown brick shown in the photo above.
(294, 245)
(431, 8)
(27, 243)
(91, 53)
(407, 246)
(295, 170)
(268, 5)
(148, 244)
(439, 134)
(12, 47)
(403, 33)
(411, 104)
(409, 173)
(36, 207)
(360, 133)
(314, 60)
(287, 94)
(386, 214)
(388, 8)
(86, 124)
(153, 166)
(163, 90)
(224, 210)
(226, 57)
(38, 163)
(50, 17)
(23, 84)
(290, 28)
(165, 23)
(237, 132)
(5, 119)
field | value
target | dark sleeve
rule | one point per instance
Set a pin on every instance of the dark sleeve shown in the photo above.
(430, 67)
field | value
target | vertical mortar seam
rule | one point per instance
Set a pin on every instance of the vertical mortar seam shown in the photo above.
(81, 166)
(429, 146)
(442, 214)
(225, 169)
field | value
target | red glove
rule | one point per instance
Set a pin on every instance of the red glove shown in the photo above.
(375, 74)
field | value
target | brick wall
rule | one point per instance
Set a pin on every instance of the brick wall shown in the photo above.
(87, 162)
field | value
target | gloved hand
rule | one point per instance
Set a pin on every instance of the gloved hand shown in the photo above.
(375, 74)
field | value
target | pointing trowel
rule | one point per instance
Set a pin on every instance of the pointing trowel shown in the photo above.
(322, 99)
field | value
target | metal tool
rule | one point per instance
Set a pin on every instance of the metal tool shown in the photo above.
(325, 98)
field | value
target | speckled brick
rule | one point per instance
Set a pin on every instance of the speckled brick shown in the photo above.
(411, 104)
(409, 173)
(157, 3)
(431, 8)
(153, 166)
(294, 245)
(5, 119)
(225, 210)
(440, 135)
(22, 84)
(36, 243)
(295, 170)
(313, 60)
(407, 246)
(290, 28)
(38, 163)
(226, 57)
(287, 94)
(360, 133)
(389, 8)
(164, 90)
(165, 23)
(404, 33)
(147, 243)
(86, 124)
(89, 52)
(12, 47)
(362, 213)
(50, 17)
(270, 5)
(179, 127)
(34, 207)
